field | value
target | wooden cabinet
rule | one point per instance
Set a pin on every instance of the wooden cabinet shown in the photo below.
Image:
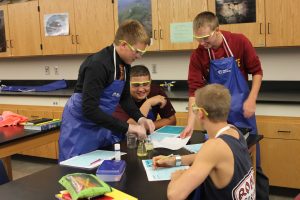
(91, 26)
(276, 23)
(49, 150)
(255, 32)
(280, 158)
(4, 32)
(163, 14)
(174, 11)
(182, 119)
(22, 29)
(282, 23)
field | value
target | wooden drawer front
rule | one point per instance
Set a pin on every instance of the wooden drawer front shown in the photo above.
(182, 119)
(280, 160)
(275, 129)
(44, 151)
(34, 114)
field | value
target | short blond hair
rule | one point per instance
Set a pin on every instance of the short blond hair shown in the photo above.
(132, 31)
(205, 18)
(215, 99)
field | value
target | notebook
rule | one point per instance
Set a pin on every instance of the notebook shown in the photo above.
(89, 160)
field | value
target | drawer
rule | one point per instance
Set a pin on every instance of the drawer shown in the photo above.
(280, 160)
(279, 127)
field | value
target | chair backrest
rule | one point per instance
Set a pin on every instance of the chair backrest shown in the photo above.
(3, 174)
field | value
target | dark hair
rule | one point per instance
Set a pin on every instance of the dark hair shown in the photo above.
(139, 70)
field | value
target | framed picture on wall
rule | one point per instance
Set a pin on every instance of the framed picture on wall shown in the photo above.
(236, 11)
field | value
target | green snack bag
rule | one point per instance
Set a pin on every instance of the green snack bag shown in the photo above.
(81, 185)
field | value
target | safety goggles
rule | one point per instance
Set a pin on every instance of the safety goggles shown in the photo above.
(132, 48)
(204, 38)
(195, 109)
(138, 84)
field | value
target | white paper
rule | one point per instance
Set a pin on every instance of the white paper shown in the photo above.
(56, 24)
(90, 160)
(173, 143)
(161, 173)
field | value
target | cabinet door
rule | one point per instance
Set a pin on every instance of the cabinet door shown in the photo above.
(255, 31)
(60, 44)
(35, 114)
(182, 119)
(94, 29)
(175, 11)
(4, 33)
(145, 12)
(282, 22)
(24, 26)
(280, 160)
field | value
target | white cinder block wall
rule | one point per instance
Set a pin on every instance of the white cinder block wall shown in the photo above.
(278, 64)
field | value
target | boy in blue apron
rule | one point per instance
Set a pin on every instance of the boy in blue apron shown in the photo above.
(87, 123)
(149, 98)
(225, 58)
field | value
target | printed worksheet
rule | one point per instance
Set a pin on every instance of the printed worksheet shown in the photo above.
(173, 143)
(161, 173)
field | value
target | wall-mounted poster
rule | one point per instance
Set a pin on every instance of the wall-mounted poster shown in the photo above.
(236, 11)
(2, 33)
(136, 9)
(56, 24)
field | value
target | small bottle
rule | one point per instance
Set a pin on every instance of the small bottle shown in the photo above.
(117, 152)
(141, 150)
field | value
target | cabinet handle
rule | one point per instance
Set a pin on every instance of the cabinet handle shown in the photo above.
(269, 32)
(155, 34)
(72, 39)
(11, 44)
(7, 44)
(34, 116)
(77, 40)
(283, 131)
(260, 24)
(161, 34)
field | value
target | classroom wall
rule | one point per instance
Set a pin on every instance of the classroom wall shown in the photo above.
(278, 64)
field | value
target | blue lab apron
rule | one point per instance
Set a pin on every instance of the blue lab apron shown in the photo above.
(225, 71)
(79, 135)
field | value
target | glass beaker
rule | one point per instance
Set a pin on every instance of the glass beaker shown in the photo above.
(141, 150)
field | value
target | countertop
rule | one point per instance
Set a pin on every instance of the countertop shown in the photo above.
(292, 97)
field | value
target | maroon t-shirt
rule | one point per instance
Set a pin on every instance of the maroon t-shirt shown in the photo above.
(164, 112)
(243, 51)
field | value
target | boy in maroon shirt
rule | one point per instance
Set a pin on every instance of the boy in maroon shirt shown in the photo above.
(211, 42)
(149, 98)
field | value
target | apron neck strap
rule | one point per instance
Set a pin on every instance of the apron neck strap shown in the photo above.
(226, 48)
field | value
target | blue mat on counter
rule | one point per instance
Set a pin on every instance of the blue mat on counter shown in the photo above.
(56, 85)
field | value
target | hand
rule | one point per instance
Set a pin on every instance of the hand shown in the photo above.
(147, 124)
(163, 161)
(188, 131)
(158, 100)
(138, 130)
(249, 108)
(175, 175)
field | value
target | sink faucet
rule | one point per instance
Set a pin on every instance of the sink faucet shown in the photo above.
(168, 85)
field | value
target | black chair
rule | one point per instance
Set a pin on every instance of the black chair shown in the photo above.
(3, 174)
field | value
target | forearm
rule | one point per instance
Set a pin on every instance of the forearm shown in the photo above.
(256, 83)
(131, 121)
(145, 108)
(165, 121)
(188, 160)
(191, 116)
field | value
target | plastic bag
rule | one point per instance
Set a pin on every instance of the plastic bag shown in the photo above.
(81, 185)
